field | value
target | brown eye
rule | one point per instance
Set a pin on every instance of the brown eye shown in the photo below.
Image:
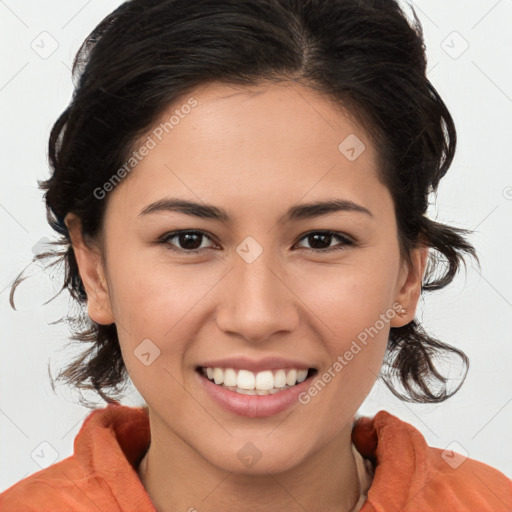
(186, 241)
(321, 241)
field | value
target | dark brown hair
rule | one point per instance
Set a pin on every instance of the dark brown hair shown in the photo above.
(364, 55)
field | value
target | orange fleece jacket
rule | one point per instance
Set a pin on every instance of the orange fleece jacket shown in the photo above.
(409, 476)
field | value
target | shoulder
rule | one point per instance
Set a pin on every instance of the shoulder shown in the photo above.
(411, 475)
(474, 484)
(100, 475)
(61, 487)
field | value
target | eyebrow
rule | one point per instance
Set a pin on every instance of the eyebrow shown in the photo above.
(295, 213)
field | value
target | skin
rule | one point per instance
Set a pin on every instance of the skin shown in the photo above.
(254, 152)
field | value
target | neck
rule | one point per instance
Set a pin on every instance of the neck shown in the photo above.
(176, 477)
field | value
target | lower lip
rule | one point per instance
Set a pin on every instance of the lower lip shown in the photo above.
(253, 406)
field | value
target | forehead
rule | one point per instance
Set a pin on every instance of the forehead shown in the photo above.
(254, 145)
(284, 116)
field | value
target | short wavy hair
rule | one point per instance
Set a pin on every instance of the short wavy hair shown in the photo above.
(364, 55)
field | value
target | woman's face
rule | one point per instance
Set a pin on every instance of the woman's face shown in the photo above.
(248, 291)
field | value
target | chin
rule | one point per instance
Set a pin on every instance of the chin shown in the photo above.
(258, 456)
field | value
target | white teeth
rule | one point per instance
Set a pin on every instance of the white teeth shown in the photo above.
(230, 377)
(264, 380)
(245, 391)
(280, 379)
(245, 379)
(291, 377)
(261, 383)
(301, 375)
(218, 375)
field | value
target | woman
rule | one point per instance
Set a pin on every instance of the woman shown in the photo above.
(241, 189)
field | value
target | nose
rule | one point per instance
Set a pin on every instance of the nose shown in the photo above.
(256, 301)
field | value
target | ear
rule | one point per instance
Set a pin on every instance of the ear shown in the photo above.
(91, 272)
(411, 278)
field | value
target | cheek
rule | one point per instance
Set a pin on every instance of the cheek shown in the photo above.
(153, 306)
(151, 295)
(164, 303)
(352, 306)
(350, 297)
(352, 312)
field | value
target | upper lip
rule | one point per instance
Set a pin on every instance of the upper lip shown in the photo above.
(253, 365)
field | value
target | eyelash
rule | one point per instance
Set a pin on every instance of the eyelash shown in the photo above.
(346, 241)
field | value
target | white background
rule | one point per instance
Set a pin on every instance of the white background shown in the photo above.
(474, 313)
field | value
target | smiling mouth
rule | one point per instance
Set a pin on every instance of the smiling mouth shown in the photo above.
(266, 382)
